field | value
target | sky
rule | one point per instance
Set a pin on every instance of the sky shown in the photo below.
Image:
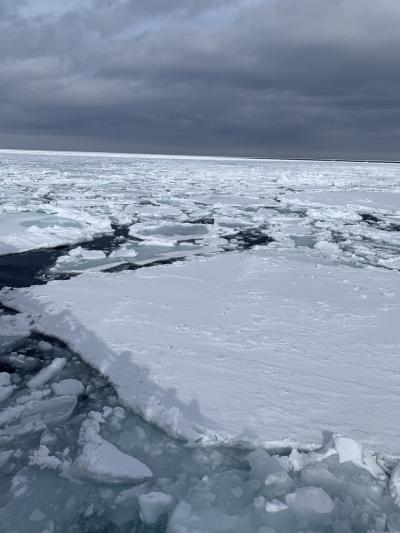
(264, 78)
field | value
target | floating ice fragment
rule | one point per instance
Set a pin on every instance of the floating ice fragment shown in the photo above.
(237, 491)
(262, 464)
(44, 346)
(351, 451)
(71, 387)
(153, 505)
(101, 461)
(309, 500)
(42, 458)
(5, 456)
(298, 460)
(327, 248)
(53, 410)
(47, 373)
(6, 387)
(124, 251)
(275, 506)
(37, 516)
(86, 254)
(394, 485)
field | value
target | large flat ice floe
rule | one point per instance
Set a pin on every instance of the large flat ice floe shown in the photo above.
(22, 231)
(265, 347)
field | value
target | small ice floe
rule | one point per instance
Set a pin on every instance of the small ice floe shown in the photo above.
(153, 505)
(351, 451)
(42, 459)
(70, 387)
(31, 408)
(86, 254)
(44, 346)
(80, 259)
(394, 485)
(6, 387)
(309, 500)
(102, 462)
(5, 456)
(47, 373)
(167, 234)
(275, 506)
(123, 252)
(22, 231)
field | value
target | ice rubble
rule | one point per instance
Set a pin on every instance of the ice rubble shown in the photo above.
(204, 340)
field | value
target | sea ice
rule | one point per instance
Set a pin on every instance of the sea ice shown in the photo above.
(215, 373)
(22, 231)
(70, 387)
(47, 373)
(6, 387)
(101, 461)
(309, 500)
(152, 505)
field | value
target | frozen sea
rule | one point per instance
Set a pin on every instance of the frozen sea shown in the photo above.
(198, 345)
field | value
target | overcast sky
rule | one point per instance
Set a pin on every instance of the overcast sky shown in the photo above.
(269, 78)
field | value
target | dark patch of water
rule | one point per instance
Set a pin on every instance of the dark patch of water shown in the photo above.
(28, 268)
(247, 238)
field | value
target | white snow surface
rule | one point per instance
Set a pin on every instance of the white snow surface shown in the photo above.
(265, 347)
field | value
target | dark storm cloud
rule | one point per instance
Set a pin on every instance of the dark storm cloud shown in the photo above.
(268, 78)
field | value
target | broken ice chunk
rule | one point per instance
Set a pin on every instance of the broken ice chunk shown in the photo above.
(309, 500)
(103, 462)
(6, 388)
(262, 464)
(37, 516)
(52, 411)
(394, 485)
(70, 387)
(275, 506)
(5, 456)
(327, 248)
(153, 505)
(124, 251)
(351, 451)
(86, 254)
(47, 373)
(42, 458)
(44, 346)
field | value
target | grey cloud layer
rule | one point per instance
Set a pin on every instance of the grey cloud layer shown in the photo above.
(267, 78)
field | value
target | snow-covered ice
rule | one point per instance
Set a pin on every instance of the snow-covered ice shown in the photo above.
(194, 377)
(101, 461)
(22, 231)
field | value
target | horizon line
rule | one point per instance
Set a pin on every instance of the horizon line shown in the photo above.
(94, 153)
